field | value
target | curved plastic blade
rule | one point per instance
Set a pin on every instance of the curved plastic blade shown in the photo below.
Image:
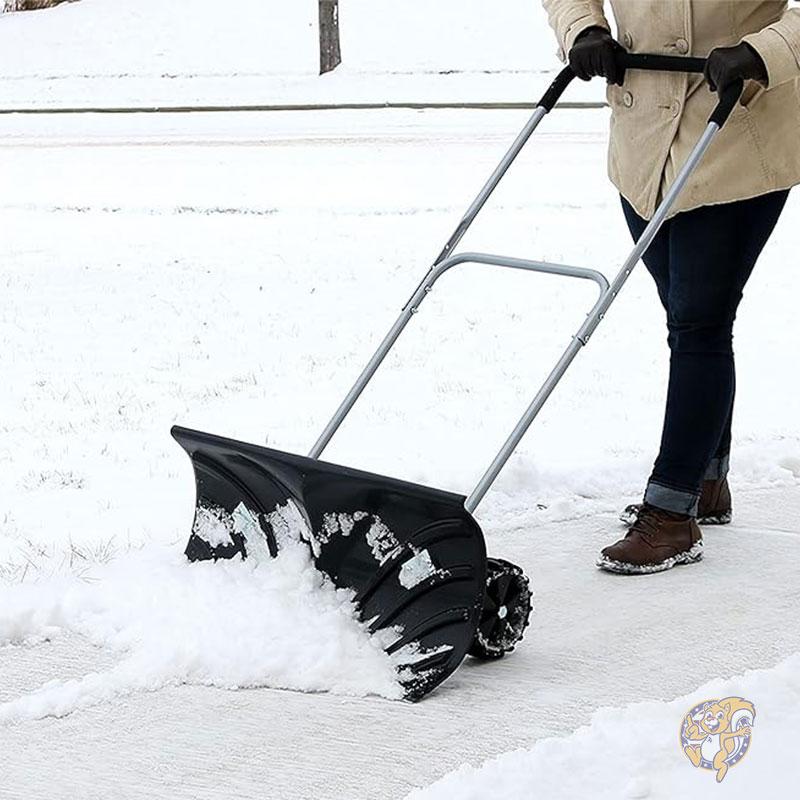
(413, 556)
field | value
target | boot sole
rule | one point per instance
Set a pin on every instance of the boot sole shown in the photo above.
(691, 556)
(725, 518)
(627, 518)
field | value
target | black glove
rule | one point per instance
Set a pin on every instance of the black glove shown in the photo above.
(595, 53)
(726, 65)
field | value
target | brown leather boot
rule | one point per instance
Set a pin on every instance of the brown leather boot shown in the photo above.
(658, 540)
(716, 506)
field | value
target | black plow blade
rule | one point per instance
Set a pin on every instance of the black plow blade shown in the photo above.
(413, 556)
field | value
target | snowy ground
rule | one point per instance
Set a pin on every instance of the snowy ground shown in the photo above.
(233, 273)
(143, 53)
(595, 641)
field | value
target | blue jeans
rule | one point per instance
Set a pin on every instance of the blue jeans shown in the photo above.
(701, 261)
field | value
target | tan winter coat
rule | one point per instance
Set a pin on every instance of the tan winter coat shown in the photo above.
(658, 117)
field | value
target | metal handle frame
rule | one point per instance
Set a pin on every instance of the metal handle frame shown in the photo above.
(608, 290)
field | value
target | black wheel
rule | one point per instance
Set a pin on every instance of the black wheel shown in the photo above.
(506, 610)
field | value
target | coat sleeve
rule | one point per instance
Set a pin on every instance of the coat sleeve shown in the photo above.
(779, 46)
(569, 18)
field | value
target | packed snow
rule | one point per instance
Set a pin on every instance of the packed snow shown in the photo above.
(416, 569)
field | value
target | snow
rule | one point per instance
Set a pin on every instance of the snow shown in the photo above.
(234, 272)
(416, 570)
(592, 643)
(188, 51)
(332, 525)
(245, 623)
(171, 269)
(381, 540)
(635, 752)
(213, 527)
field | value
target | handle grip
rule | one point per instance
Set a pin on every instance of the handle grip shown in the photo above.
(657, 63)
(728, 100)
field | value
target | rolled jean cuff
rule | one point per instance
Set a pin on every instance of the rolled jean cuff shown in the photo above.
(675, 500)
(718, 468)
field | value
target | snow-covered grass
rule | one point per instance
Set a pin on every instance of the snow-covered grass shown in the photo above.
(148, 52)
(635, 752)
(235, 274)
(268, 37)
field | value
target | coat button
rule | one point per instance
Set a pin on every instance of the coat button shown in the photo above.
(627, 40)
(675, 108)
(682, 46)
(627, 99)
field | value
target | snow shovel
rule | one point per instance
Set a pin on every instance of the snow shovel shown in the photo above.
(414, 557)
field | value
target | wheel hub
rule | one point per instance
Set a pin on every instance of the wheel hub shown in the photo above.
(506, 609)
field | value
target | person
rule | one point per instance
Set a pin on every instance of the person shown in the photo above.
(706, 250)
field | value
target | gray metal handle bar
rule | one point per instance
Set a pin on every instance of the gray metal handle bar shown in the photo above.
(608, 290)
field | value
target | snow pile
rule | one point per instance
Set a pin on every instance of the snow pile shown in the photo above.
(635, 752)
(259, 622)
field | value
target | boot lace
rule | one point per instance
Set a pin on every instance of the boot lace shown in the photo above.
(647, 523)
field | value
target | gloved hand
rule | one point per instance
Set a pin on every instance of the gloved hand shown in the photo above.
(594, 54)
(726, 65)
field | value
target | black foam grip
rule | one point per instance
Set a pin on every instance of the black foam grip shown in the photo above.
(659, 63)
(556, 89)
(628, 61)
(727, 102)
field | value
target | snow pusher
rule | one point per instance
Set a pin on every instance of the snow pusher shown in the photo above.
(414, 557)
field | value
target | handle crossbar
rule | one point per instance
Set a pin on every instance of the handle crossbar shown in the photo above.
(608, 290)
(416, 300)
(547, 267)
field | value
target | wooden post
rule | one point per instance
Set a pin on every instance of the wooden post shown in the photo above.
(330, 54)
